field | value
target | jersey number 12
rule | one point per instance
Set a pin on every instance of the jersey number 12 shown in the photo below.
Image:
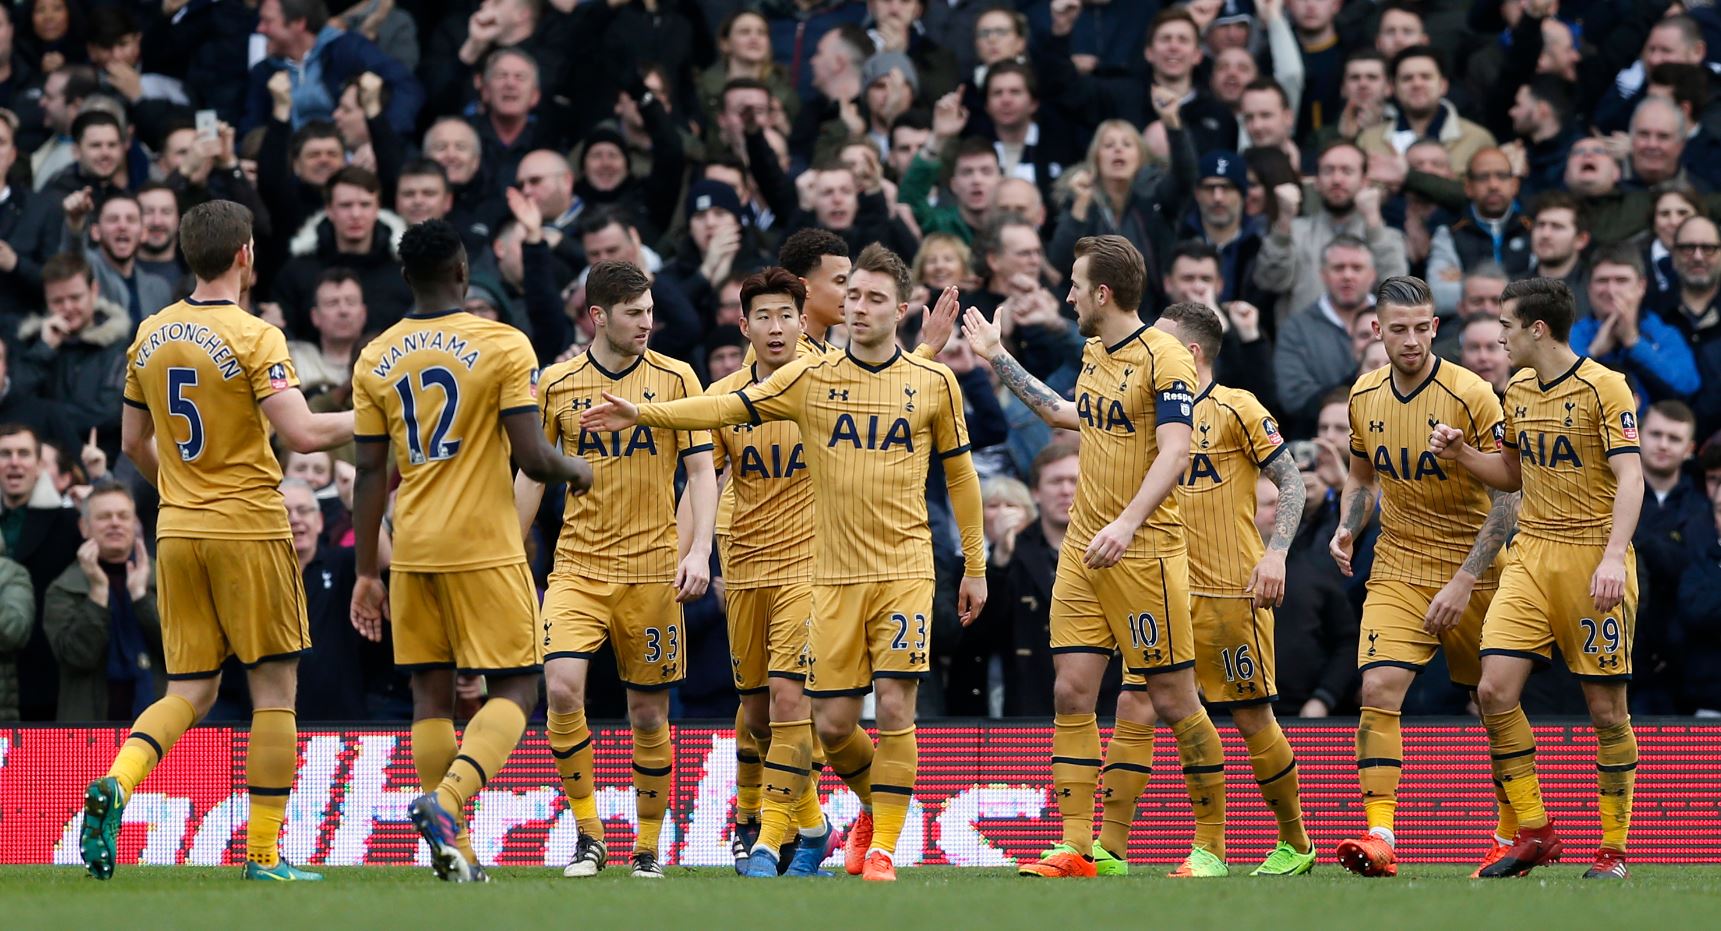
(439, 446)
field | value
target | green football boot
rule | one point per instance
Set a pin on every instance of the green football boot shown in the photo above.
(99, 834)
(1105, 864)
(1201, 864)
(1286, 861)
(282, 872)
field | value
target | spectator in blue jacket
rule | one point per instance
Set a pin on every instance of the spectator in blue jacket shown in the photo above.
(319, 58)
(1625, 336)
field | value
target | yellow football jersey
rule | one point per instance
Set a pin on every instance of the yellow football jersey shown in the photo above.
(804, 346)
(869, 433)
(1234, 438)
(623, 529)
(1125, 391)
(766, 511)
(201, 370)
(437, 386)
(1430, 510)
(1564, 432)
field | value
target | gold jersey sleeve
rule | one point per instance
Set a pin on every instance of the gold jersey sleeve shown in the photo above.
(436, 387)
(1564, 433)
(1431, 510)
(623, 529)
(769, 497)
(202, 370)
(1123, 394)
(870, 432)
(1234, 438)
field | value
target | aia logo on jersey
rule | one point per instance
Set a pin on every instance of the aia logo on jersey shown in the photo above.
(1628, 426)
(533, 379)
(278, 380)
(1272, 430)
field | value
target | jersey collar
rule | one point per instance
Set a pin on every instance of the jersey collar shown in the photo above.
(1206, 391)
(879, 367)
(197, 303)
(433, 314)
(614, 376)
(1549, 386)
(1426, 381)
(1126, 340)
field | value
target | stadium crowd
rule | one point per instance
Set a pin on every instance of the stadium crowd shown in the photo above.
(1272, 158)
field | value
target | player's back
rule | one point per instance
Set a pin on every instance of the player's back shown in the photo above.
(1431, 510)
(1565, 432)
(437, 386)
(1234, 437)
(202, 370)
(1118, 397)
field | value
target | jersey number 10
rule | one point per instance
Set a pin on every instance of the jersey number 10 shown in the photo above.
(440, 446)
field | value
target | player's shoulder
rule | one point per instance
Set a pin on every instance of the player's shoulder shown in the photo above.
(1523, 382)
(1370, 381)
(670, 365)
(562, 371)
(1160, 346)
(1459, 379)
(732, 382)
(1240, 400)
(932, 366)
(1599, 376)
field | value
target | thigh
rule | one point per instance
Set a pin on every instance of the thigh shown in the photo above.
(1392, 633)
(1146, 606)
(899, 628)
(1078, 622)
(790, 617)
(1463, 643)
(418, 619)
(493, 620)
(1233, 651)
(839, 665)
(748, 613)
(648, 638)
(259, 598)
(575, 617)
(1596, 644)
(192, 640)
(1517, 622)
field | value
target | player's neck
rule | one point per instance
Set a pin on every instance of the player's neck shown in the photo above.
(224, 289)
(1203, 378)
(873, 355)
(816, 329)
(1408, 383)
(1117, 325)
(605, 355)
(1554, 360)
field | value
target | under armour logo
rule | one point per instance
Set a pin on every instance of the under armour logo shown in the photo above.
(1107, 792)
(1377, 426)
(785, 791)
(668, 670)
(1373, 635)
(646, 793)
(915, 659)
(1088, 369)
(1065, 793)
(838, 394)
(582, 404)
(1520, 410)
(742, 428)
(1432, 422)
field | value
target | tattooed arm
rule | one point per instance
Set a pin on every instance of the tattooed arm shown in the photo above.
(986, 340)
(1267, 582)
(1449, 604)
(1356, 506)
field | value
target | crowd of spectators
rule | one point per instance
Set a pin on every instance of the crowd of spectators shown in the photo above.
(1272, 158)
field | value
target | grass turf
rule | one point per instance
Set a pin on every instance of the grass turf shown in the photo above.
(1422, 897)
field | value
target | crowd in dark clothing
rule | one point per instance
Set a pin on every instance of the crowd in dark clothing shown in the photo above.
(1275, 160)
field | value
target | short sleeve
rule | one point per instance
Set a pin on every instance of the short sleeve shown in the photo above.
(1354, 415)
(518, 391)
(1174, 388)
(547, 418)
(133, 387)
(1509, 413)
(1618, 414)
(949, 425)
(271, 365)
(1489, 433)
(1261, 431)
(370, 421)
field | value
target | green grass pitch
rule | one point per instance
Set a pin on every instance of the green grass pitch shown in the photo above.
(1662, 898)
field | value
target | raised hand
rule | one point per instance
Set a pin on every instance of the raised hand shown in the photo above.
(611, 416)
(939, 323)
(984, 336)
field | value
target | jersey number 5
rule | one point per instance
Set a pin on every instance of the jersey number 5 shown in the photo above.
(439, 446)
(178, 405)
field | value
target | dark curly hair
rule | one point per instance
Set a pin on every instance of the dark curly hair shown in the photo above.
(430, 252)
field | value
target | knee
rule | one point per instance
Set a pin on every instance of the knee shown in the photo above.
(1253, 719)
(1072, 696)
(1494, 696)
(1135, 707)
(567, 694)
(1378, 693)
(1173, 695)
(787, 707)
(648, 712)
(895, 711)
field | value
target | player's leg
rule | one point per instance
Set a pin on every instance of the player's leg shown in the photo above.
(899, 645)
(646, 630)
(434, 744)
(421, 628)
(791, 795)
(574, 626)
(1275, 768)
(1616, 773)
(839, 674)
(1463, 646)
(747, 614)
(271, 760)
(1128, 766)
(1203, 758)
(653, 770)
(752, 744)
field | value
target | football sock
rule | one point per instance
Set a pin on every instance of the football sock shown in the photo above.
(152, 736)
(1276, 773)
(271, 755)
(1075, 772)
(785, 775)
(433, 749)
(892, 786)
(490, 736)
(749, 763)
(1507, 828)
(1513, 748)
(851, 759)
(1616, 772)
(1203, 759)
(571, 746)
(809, 813)
(1128, 766)
(1379, 764)
(653, 764)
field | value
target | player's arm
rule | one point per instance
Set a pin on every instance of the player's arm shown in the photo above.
(1113, 539)
(988, 343)
(1500, 470)
(705, 412)
(538, 460)
(370, 500)
(1356, 507)
(1267, 582)
(303, 431)
(966, 504)
(1607, 586)
(693, 534)
(137, 440)
(1449, 604)
(938, 324)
